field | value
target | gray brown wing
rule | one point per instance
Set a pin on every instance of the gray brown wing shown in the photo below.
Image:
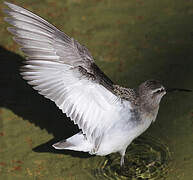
(62, 70)
(41, 40)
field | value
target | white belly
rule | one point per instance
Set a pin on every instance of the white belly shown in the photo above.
(118, 138)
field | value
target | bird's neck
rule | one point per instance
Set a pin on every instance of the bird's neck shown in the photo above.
(149, 111)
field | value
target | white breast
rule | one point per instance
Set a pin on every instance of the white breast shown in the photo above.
(121, 135)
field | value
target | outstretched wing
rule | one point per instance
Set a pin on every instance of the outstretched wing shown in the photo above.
(62, 70)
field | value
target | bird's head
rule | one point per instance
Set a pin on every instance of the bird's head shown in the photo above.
(151, 92)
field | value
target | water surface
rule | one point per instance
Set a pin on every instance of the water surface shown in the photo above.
(131, 41)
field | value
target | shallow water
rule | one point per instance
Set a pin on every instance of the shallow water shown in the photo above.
(131, 41)
(146, 158)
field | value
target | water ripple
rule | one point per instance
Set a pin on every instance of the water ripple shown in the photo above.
(146, 158)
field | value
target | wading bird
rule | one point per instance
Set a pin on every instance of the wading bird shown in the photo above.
(109, 116)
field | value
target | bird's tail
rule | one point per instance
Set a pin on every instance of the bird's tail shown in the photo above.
(78, 142)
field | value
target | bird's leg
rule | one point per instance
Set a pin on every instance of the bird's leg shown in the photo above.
(122, 158)
(122, 161)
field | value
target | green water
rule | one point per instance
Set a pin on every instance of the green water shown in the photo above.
(131, 41)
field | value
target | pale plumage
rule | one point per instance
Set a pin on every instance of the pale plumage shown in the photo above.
(62, 70)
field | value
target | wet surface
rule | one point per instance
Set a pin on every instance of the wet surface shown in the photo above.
(131, 41)
(146, 158)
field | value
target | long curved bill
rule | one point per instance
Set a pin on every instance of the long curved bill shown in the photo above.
(178, 89)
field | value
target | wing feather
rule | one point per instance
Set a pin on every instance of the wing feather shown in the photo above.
(62, 70)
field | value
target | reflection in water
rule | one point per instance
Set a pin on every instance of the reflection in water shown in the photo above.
(146, 158)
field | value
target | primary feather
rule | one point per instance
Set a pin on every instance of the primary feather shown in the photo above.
(62, 70)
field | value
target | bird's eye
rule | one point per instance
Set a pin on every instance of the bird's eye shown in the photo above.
(159, 91)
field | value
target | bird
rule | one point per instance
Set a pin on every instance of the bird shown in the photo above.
(108, 115)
